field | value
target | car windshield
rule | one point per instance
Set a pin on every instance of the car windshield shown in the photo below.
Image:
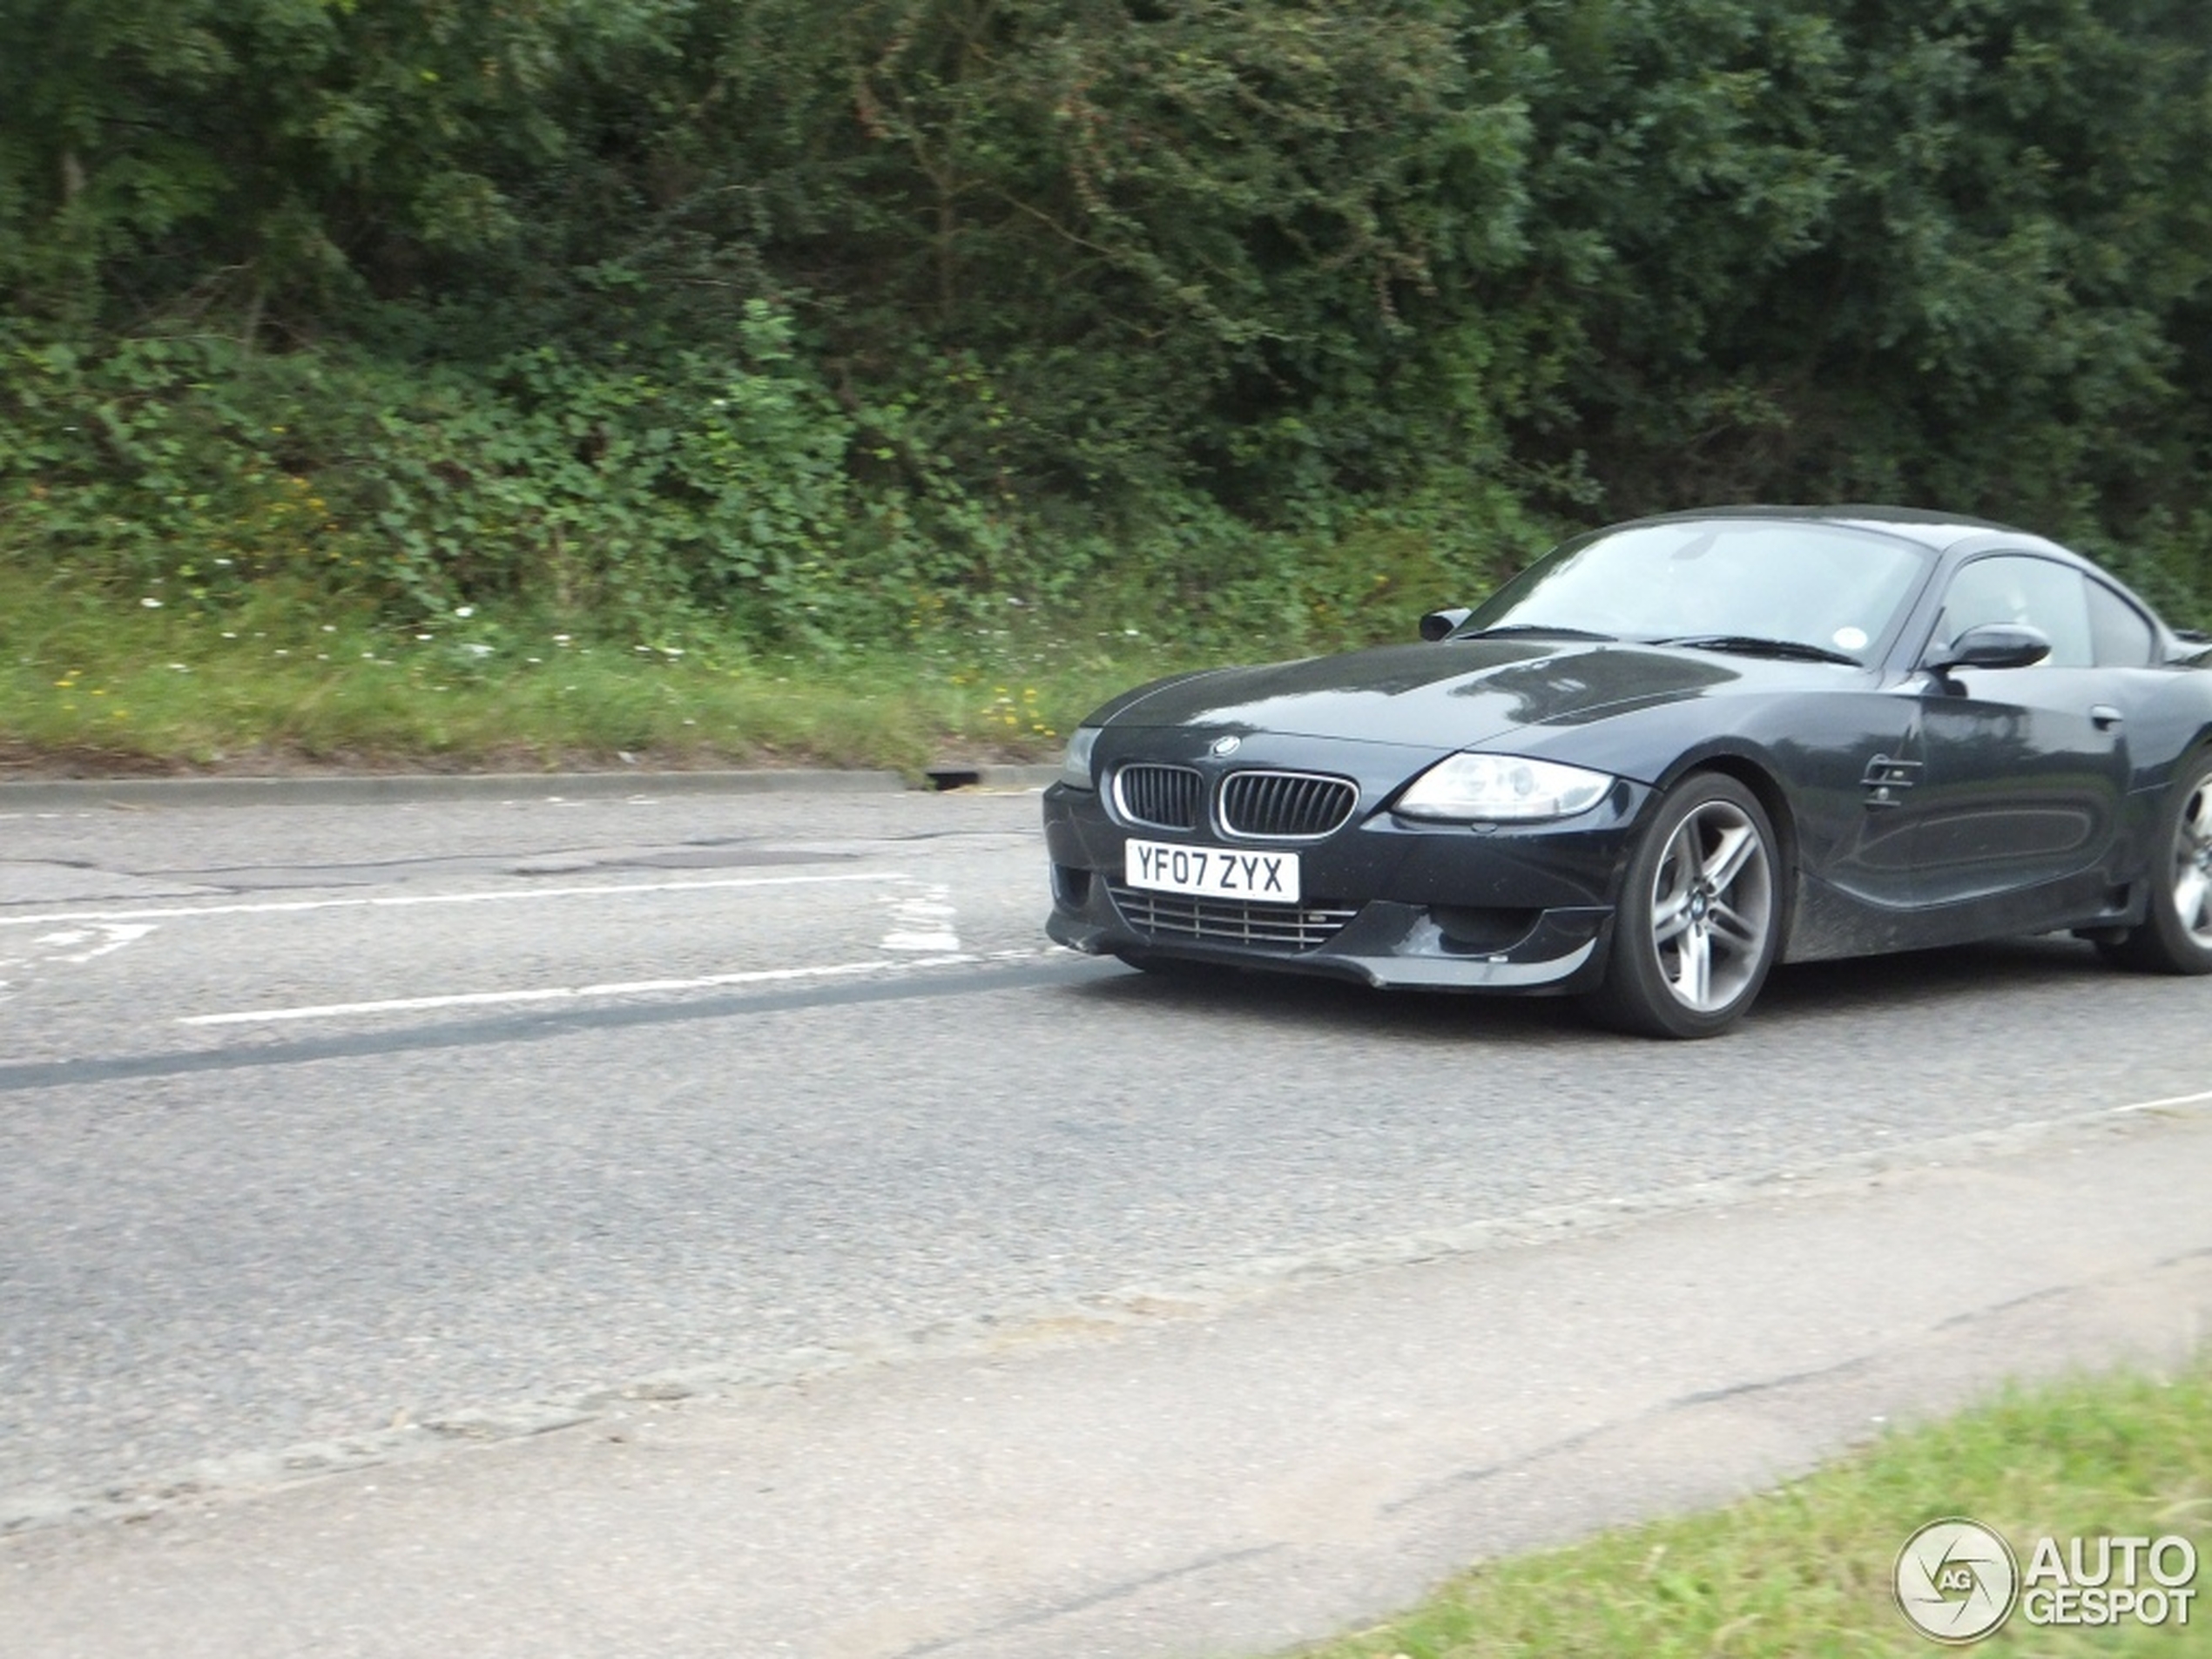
(1729, 583)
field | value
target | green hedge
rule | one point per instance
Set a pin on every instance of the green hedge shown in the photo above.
(1244, 315)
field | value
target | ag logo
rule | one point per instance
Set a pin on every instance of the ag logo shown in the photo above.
(1956, 1580)
(1227, 745)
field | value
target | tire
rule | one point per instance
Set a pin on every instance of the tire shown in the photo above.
(1700, 919)
(2175, 937)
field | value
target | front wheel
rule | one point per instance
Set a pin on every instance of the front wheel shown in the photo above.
(2175, 937)
(1700, 917)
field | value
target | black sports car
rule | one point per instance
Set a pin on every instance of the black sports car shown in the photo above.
(1665, 757)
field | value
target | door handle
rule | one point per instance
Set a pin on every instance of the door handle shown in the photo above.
(2104, 717)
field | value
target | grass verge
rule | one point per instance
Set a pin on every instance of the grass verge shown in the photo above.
(1807, 1569)
(283, 681)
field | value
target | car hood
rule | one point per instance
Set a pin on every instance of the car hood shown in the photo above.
(1450, 694)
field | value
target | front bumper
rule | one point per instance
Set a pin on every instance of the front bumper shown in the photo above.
(1388, 900)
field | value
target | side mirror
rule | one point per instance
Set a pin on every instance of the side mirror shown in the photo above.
(1438, 624)
(1994, 644)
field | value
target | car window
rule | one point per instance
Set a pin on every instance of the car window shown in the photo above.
(2016, 587)
(2122, 637)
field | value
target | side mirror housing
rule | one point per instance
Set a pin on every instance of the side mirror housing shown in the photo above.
(1438, 624)
(1994, 644)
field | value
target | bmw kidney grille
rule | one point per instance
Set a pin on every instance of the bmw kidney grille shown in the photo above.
(1285, 806)
(1160, 797)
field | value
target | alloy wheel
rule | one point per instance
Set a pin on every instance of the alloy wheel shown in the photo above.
(2193, 864)
(1712, 906)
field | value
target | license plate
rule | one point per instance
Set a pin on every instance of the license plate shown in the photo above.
(1213, 872)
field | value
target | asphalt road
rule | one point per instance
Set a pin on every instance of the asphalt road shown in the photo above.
(329, 1133)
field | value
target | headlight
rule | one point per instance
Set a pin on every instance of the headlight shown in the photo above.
(1075, 766)
(1493, 789)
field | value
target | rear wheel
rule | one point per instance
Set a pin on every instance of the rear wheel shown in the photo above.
(1700, 915)
(2175, 937)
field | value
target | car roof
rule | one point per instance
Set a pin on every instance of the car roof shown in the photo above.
(1931, 530)
(1959, 534)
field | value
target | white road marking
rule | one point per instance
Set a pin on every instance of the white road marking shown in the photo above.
(924, 922)
(103, 936)
(2203, 1097)
(558, 993)
(291, 906)
(115, 935)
